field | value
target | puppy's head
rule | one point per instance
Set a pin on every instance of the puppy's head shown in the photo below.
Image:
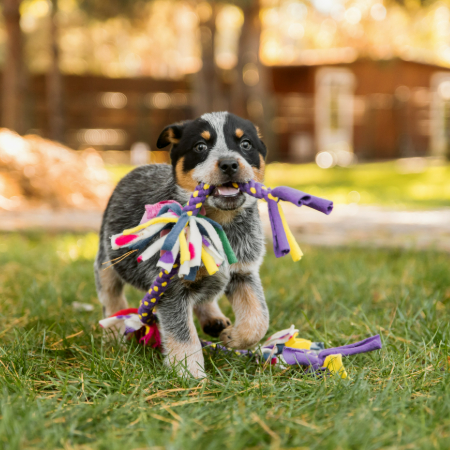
(217, 149)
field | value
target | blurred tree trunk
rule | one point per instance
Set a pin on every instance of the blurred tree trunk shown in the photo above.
(208, 95)
(251, 94)
(13, 77)
(55, 82)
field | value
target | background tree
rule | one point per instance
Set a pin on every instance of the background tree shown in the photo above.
(55, 91)
(13, 69)
(208, 92)
(250, 93)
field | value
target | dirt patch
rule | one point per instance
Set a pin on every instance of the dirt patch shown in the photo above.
(36, 172)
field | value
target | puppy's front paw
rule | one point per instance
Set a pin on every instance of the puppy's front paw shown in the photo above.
(215, 325)
(186, 359)
(240, 337)
(188, 367)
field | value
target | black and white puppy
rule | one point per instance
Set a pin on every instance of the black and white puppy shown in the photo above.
(217, 149)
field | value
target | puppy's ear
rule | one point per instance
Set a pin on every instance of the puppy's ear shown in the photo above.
(171, 134)
(263, 149)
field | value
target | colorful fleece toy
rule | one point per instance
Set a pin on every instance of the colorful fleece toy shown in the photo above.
(187, 239)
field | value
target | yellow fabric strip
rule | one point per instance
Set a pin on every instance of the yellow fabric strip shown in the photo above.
(209, 263)
(184, 249)
(335, 365)
(295, 342)
(150, 222)
(296, 252)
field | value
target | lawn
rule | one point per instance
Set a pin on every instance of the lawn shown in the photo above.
(61, 388)
(384, 183)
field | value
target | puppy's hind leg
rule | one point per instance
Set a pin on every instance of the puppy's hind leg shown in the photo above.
(110, 292)
(211, 318)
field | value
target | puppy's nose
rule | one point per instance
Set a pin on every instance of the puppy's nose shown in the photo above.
(228, 166)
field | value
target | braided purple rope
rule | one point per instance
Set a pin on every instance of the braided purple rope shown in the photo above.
(220, 348)
(198, 198)
(154, 294)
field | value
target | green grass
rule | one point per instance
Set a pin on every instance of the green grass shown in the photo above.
(61, 388)
(370, 184)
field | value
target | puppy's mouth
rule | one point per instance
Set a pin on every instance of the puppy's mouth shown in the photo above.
(227, 197)
(227, 191)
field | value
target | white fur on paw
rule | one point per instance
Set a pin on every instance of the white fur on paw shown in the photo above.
(187, 365)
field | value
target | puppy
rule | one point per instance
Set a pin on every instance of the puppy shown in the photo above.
(217, 149)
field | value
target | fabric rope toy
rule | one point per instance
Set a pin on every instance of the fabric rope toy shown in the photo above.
(284, 347)
(281, 349)
(188, 238)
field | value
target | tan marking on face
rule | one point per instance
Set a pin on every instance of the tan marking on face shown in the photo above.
(251, 323)
(258, 132)
(184, 179)
(206, 135)
(239, 133)
(259, 173)
(171, 137)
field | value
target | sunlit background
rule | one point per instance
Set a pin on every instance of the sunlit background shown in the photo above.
(352, 96)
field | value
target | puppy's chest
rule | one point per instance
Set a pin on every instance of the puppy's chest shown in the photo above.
(246, 237)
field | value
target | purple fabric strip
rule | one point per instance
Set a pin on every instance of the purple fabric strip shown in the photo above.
(300, 198)
(367, 345)
(294, 356)
(281, 245)
(167, 258)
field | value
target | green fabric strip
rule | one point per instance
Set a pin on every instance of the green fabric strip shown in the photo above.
(227, 247)
(231, 257)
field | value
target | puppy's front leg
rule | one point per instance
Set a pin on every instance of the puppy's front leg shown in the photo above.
(246, 296)
(179, 336)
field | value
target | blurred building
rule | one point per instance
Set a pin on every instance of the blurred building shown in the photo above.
(109, 113)
(376, 109)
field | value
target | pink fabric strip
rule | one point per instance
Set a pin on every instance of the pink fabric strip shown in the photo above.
(151, 211)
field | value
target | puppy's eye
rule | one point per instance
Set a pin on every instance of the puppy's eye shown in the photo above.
(246, 145)
(200, 147)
